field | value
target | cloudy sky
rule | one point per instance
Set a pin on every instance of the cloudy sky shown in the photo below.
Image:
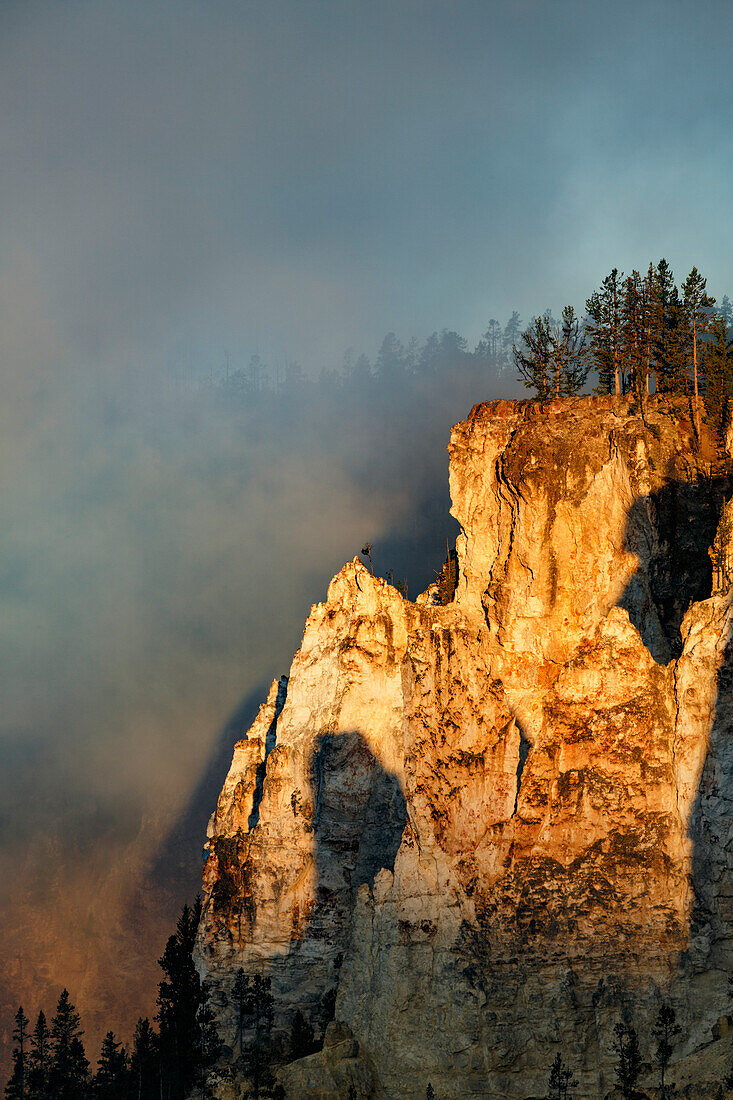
(183, 185)
(291, 178)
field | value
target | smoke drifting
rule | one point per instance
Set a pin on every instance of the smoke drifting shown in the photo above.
(161, 546)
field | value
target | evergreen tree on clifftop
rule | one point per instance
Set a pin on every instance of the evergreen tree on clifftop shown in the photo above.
(603, 327)
(696, 304)
(552, 360)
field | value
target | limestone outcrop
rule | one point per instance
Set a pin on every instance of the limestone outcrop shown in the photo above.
(483, 829)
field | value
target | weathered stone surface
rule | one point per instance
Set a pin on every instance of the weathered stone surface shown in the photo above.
(481, 830)
(331, 1073)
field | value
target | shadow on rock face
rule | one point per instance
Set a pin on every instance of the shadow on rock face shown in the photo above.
(298, 900)
(360, 811)
(711, 833)
(359, 816)
(671, 531)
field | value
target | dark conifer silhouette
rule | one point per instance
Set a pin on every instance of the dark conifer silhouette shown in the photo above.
(17, 1086)
(68, 1066)
(179, 1000)
(144, 1069)
(628, 1067)
(111, 1079)
(257, 1015)
(561, 1081)
(666, 1030)
(302, 1040)
(38, 1069)
(208, 1046)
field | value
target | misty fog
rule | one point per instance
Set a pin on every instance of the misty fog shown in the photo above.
(163, 541)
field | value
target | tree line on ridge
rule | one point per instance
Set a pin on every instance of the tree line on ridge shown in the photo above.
(640, 333)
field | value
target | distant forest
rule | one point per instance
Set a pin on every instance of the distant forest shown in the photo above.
(638, 334)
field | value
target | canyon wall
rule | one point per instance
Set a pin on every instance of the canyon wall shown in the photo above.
(481, 828)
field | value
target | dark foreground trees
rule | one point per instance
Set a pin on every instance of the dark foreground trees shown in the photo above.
(38, 1068)
(666, 1031)
(17, 1086)
(111, 1078)
(253, 996)
(50, 1063)
(562, 1080)
(179, 1000)
(145, 1062)
(628, 1065)
(68, 1074)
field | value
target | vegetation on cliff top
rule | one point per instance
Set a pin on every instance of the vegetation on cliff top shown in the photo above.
(640, 332)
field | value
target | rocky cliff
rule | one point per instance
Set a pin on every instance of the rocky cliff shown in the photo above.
(482, 827)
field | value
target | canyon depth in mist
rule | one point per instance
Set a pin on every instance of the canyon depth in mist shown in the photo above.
(204, 206)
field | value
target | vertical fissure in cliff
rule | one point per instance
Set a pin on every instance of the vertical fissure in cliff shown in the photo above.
(524, 746)
(270, 742)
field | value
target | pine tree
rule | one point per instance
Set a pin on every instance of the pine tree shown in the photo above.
(208, 1042)
(17, 1086)
(603, 329)
(716, 368)
(648, 322)
(179, 999)
(571, 366)
(68, 1065)
(561, 1080)
(38, 1069)
(552, 362)
(666, 1029)
(668, 362)
(111, 1078)
(301, 1037)
(632, 333)
(489, 347)
(257, 1015)
(144, 1072)
(533, 361)
(512, 333)
(696, 304)
(626, 1048)
(430, 1093)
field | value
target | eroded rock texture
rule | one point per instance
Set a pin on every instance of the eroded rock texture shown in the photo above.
(481, 831)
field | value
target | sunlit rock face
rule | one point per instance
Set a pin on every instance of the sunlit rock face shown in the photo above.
(482, 831)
